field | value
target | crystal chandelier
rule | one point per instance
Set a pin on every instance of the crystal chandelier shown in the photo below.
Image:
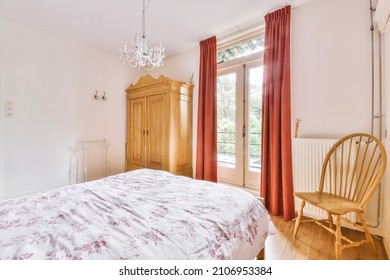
(139, 55)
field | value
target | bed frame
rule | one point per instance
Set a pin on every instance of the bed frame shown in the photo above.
(261, 254)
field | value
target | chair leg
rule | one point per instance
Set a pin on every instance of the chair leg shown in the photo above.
(298, 220)
(338, 238)
(367, 232)
(330, 219)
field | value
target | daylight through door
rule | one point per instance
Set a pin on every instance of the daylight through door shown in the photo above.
(239, 90)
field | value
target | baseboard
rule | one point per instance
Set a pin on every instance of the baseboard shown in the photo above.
(377, 231)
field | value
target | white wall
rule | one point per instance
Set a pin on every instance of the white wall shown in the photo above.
(386, 94)
(1, 116)
(51, 81)
(331, 68)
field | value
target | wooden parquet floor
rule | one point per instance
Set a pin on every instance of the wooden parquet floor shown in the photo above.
(315, 243)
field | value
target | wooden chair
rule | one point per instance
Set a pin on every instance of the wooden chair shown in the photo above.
(351, 172)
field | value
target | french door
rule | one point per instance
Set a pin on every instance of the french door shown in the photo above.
(239, 90)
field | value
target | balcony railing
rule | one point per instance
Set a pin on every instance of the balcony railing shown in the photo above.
(228, 155)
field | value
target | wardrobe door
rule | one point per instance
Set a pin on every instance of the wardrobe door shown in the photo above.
(157, 132)
(180, 156)
(136, 132)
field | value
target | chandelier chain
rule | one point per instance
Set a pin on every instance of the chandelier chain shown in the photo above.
(145, 6)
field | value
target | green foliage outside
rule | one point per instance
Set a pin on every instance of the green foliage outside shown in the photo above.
(226, 103)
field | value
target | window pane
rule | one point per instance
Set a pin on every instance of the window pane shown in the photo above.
(255, 105)
(244, 48)
(226, 102)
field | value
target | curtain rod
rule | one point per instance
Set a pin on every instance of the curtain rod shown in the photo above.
(280, 7)
(241, 28)
(250, 25)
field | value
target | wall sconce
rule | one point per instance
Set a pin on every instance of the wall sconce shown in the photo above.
(97, 97)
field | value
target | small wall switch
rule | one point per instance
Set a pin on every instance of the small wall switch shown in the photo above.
(9, 109)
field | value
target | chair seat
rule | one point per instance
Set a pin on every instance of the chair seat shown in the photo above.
(329, 202)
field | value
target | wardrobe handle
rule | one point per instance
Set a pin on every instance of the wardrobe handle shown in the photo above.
(147, 132)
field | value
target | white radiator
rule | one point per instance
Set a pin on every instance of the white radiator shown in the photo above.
(308, 156)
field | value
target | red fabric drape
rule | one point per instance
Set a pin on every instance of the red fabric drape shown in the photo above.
(276, 160)
(206, 155)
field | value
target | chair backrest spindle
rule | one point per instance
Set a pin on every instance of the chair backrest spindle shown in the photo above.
(354, 167)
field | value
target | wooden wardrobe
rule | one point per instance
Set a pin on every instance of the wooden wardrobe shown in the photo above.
(159, 125)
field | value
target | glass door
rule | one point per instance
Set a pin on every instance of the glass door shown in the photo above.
(229, 125)
(239, 90)
(253, 113)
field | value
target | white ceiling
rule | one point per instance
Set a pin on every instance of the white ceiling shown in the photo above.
(104, 24)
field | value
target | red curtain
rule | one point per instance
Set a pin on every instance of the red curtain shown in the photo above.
(276, 160)
(206, 155)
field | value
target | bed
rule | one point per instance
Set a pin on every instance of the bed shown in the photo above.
(138, 215)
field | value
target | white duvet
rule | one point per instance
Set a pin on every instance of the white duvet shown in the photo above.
(143, 214)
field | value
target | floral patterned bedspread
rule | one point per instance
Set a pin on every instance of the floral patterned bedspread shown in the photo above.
(143, 214)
